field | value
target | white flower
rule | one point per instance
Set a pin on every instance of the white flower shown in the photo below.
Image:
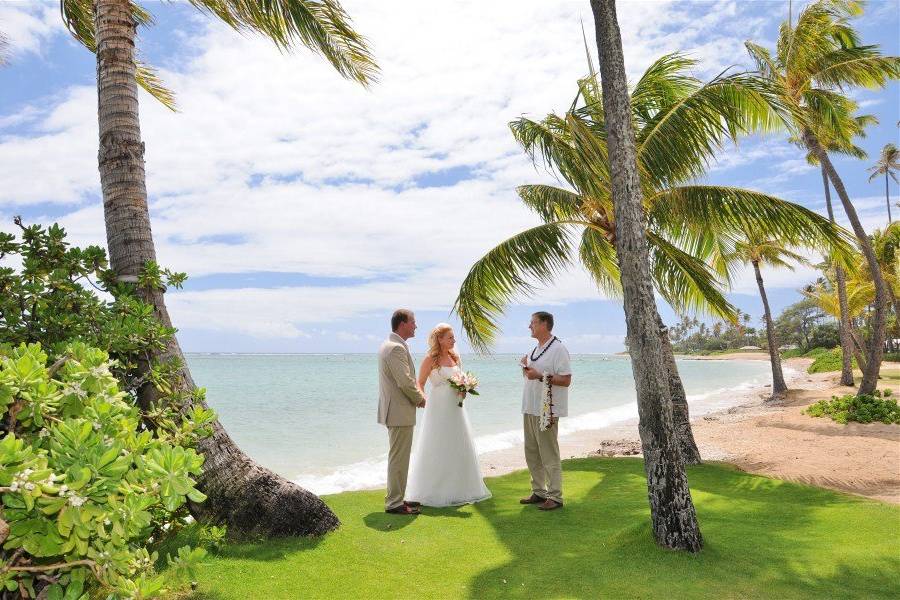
(76, 500)
(29, 486)
(63, 489)
(14, 486)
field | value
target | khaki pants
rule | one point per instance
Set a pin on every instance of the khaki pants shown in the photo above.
(398, 465)
(542, 456)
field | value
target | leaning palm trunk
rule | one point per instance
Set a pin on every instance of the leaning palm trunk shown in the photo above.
(887, 195)
(681, 416)
(245, 496)
(779, 387)
(844, 321)
(876, 344)
(672, 511)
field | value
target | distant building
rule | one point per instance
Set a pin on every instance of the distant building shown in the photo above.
(789, 347)
(749, 348)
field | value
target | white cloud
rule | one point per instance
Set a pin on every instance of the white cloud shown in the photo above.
(316, 175)
(29, 24)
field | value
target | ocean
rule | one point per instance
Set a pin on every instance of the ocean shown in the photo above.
(312, 417)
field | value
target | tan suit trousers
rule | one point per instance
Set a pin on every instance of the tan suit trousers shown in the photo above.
(542, 456)
(400, 439)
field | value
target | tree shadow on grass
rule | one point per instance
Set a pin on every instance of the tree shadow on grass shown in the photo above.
(762, 539)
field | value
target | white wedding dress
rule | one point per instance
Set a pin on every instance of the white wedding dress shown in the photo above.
(444, 467)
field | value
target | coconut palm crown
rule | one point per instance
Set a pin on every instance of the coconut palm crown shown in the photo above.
(321, 26)
(680, 122)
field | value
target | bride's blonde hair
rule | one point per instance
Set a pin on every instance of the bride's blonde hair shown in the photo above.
(434, 345)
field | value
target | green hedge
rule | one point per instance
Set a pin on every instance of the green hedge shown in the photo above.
(827, 361)
(881, 407)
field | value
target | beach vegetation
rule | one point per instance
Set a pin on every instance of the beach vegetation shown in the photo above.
(242, 494)
(828, 361)
(815, 63)
(86, 487)
(879, 407)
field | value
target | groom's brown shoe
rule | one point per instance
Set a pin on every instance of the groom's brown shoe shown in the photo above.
(549, 504)
(413, 504)
(532, 499)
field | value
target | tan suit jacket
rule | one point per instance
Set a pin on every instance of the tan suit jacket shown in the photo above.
(398, 393)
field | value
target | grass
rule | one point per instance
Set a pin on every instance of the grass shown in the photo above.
(764, 538)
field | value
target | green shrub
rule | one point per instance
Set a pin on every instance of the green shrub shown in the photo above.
(58, 419)
(827, 360)
(84, 484)
(892, 356)
(862, 409)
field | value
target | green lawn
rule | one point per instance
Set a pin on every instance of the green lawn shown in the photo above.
(764, 538)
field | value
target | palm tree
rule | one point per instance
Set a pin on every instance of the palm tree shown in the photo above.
(241, 493)
(671, 508)
(854, 127)
(887, 164)
(858, 295)
(814, 62)
(759, 249)
(680, 122)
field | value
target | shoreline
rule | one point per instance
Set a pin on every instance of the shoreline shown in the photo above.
(621, 438)
(766, 438)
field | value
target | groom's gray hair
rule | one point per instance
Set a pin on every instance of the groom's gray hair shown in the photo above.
(401, 315)
(545, 317)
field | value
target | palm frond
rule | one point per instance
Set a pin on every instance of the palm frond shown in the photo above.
(686, 282)
(735, 211)
(78, 16)
(598, 256)
(861, 66)
(680, 140)
(551, 141)
(322, 26)
(513, 268)
(551, 203)
(148, 78)
(765, 63)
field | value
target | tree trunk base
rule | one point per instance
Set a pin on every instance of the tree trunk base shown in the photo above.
(253, 501)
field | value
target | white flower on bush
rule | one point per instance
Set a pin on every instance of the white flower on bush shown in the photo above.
(76, 500)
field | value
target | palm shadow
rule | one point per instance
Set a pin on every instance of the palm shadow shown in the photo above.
(601, 542)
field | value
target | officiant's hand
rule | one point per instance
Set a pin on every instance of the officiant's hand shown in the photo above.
(421, 404)
(532, 373)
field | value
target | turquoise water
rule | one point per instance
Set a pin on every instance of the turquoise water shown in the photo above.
(312, 417)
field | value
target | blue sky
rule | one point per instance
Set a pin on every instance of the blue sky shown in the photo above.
(305, 208)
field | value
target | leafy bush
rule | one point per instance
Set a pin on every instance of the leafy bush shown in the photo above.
(51, 312)
(85, 485)
(828, 360)
(862, 409)
(892, 356)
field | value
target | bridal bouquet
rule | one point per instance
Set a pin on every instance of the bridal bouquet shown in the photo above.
(464, 383)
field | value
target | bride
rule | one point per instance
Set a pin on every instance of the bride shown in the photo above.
(444, 466)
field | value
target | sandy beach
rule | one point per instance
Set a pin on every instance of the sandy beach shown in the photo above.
(773, 439)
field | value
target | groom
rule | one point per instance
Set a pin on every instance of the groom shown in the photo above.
(399, 396)
(546, 366)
